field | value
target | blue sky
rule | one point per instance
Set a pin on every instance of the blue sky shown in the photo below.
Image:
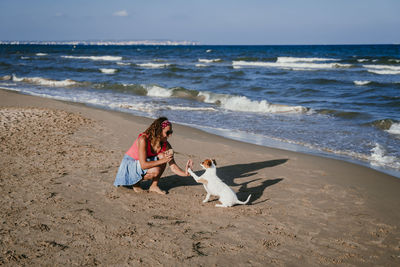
(205, 21)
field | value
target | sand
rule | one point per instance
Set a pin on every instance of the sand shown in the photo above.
(59, 207)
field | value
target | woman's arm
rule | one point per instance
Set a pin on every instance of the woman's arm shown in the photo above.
(142, 146)
(178, 171)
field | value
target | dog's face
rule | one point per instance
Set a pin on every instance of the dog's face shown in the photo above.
(208, 163)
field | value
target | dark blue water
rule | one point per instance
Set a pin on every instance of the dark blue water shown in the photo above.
(341, 101)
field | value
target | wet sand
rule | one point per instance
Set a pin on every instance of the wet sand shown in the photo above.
(59, 207)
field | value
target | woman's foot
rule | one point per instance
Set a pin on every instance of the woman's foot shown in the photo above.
(137, 188)
(157, 190)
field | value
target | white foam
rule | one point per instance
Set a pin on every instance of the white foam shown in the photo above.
(154, 65)
(362, 60)
(95, 58)
(44, 81)
(137, 106)
(41, 54)
(395, 60)
(190, 108)
(290, 65)
(383, 69)
(361, 83)
(385, 72)
(157, 91)
(208, 51)
(201, 65)
(242, 103)
(108, 71)
(394, 129)
(379, 157)
(123, 63)
(302, 59)
(209, 60)
(22, 57)
(5, 78)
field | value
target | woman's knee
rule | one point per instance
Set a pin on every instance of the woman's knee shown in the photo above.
(154, 173)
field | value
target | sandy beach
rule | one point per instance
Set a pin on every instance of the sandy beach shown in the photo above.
(59, 206)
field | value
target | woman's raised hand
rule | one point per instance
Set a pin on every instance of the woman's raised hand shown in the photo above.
(189, 164)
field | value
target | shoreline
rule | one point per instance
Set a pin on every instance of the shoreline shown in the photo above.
(59, 160)
(254, 140)
(276, 144)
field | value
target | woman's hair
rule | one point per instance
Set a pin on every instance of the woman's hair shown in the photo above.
(154, 132)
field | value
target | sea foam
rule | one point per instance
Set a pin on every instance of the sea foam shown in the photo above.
(108, 71)
(383, 69)
(158, 91)
(44, 81)
(96, 58)
(302, 59)
(242, 103)
(209, 60)
(290, 65)
(225, 101)
(379, 157)
(154, 65)
(362, 82)
(394, 129)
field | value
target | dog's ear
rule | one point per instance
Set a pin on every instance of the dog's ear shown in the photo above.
(215, 163)
(207, 163)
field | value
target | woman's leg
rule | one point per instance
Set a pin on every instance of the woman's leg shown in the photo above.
(155, 175)
(137, 188)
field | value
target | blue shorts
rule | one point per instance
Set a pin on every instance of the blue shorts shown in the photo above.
(130, 172)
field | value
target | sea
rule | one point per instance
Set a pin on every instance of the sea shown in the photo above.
(338, 101)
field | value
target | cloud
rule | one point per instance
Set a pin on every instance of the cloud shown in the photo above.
(121, 13)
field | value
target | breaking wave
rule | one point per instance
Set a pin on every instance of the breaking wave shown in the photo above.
(387, 125)
(383, 69)
(302, 59)
(210, 60)
(44, 81)
(95, 58)
(108, 71)
(153, 65)
(384, 124)
(361, 83)
(394, 129)
(225, 101)
(291, 64)
(379, 157)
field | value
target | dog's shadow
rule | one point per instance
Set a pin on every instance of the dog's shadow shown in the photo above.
(230, 174)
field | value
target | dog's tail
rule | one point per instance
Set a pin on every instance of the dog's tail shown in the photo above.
(244, 202)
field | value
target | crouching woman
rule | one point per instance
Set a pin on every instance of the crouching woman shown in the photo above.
(148, 157)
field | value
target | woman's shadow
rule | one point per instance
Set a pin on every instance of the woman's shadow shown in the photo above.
(230, 174)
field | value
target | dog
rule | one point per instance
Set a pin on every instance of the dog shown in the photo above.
(215, 186)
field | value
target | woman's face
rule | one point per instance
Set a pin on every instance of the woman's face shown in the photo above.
(166, 132)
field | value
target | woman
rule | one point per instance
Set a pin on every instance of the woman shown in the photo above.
(148, 157)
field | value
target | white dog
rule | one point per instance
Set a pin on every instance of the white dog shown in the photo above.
(214, 186)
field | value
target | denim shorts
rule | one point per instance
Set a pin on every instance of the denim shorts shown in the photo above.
(130, 172)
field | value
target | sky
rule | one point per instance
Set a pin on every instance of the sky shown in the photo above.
(213, 22)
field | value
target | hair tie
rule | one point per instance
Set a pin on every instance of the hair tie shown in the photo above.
(165, 124)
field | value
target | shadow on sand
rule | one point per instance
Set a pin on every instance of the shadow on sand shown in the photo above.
(230, 173)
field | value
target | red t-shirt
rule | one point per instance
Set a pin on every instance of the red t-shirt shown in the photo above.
(133, 151)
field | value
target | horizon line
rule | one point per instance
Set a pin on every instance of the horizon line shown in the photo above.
(155, 42)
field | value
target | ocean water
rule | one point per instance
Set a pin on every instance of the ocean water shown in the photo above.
(335, 101)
